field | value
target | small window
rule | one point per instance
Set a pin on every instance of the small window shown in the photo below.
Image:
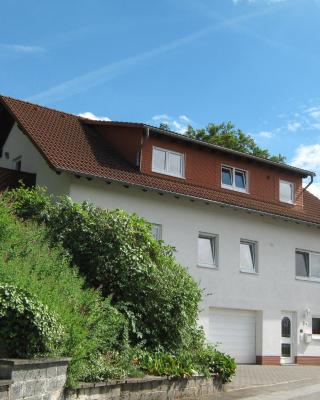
(307, 264)
(234, 178)
(248, 256)
(168, 162)
(287, 192)
(156, 230)
(17, 163)
(302, 264)
(315, 326)
(286, 327)
(207, 250)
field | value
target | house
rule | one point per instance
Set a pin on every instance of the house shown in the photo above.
(243, 226)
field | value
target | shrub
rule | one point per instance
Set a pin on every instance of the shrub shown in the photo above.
(211, 362)
(117, 252)
(48, 285)
(206, 361)
(163, 363)
(27, 328)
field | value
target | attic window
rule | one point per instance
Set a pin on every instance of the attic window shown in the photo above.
(234, 178)
(17, 163)
(167, 162)
(286, 190)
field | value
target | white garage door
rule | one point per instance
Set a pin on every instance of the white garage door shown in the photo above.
(235, 331)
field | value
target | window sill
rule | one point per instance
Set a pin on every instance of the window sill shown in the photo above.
(168, 174)
(300, 278)
(234, 189)
(291, 203)
(207, 266)
(246, 271)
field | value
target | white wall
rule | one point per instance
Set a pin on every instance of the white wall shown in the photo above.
(18, 145)
(270, 291)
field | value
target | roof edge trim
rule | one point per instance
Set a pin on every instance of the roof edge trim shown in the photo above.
(215, 202)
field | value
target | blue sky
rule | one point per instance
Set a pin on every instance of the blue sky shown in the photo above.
(253, 62)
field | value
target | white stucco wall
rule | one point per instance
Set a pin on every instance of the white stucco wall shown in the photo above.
(18, 145)
(272, 290)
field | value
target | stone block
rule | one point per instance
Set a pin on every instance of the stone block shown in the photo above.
(51, 372)
(16, 391)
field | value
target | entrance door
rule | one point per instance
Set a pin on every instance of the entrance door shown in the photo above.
(287, 332)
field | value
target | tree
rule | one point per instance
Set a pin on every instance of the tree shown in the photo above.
(164, 126)
(226, 135)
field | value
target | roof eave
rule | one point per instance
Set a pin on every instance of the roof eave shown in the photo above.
(190, 197)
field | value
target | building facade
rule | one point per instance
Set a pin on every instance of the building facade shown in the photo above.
(243, 226)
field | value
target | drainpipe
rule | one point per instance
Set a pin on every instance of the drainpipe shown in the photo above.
(310, 183)
(139, 152)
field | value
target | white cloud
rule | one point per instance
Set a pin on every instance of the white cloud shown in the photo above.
(314, 112)
(315, 189)
(161, 117)
(177, 124)
(266, 134)
(307, 156)
(19, 48)
(90, 115)
(185, 119)
(294, 126)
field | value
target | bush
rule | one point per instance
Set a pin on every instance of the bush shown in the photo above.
(117, 252)
(48, 285)
(155, 298)
(211, 362)
(206, 361)
(27, 328)
(163, 363)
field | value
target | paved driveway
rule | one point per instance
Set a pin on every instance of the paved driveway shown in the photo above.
(256, 382)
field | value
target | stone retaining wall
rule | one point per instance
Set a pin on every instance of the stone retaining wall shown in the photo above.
(44, 379)
(150, 388)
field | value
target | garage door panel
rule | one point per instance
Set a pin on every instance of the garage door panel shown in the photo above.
(235, 333)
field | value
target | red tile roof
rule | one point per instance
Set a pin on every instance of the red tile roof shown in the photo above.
(69, 143)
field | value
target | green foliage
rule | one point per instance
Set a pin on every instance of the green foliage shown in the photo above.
(153, 328)
(205, 361)
(212, 362)
(90, 324)
(21, 313)
(227, 135)
(163, 363)
(116, 252)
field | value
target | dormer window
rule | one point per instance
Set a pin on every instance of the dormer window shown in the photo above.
(234, 179)
(17, 163)
(286, 192)
(167, 162)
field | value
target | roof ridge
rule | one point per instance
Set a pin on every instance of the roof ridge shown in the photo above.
(38, 105)
(168, 133)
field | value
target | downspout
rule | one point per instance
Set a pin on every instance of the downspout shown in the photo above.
(310, 183)
(144, 137)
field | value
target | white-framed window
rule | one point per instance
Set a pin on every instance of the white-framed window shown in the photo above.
(207, 250)
(17, 163)
(168, 162)
(286, 192)
(248, 256)
(156, 230)
(316, 325)
(307, 265)
(234, 178)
